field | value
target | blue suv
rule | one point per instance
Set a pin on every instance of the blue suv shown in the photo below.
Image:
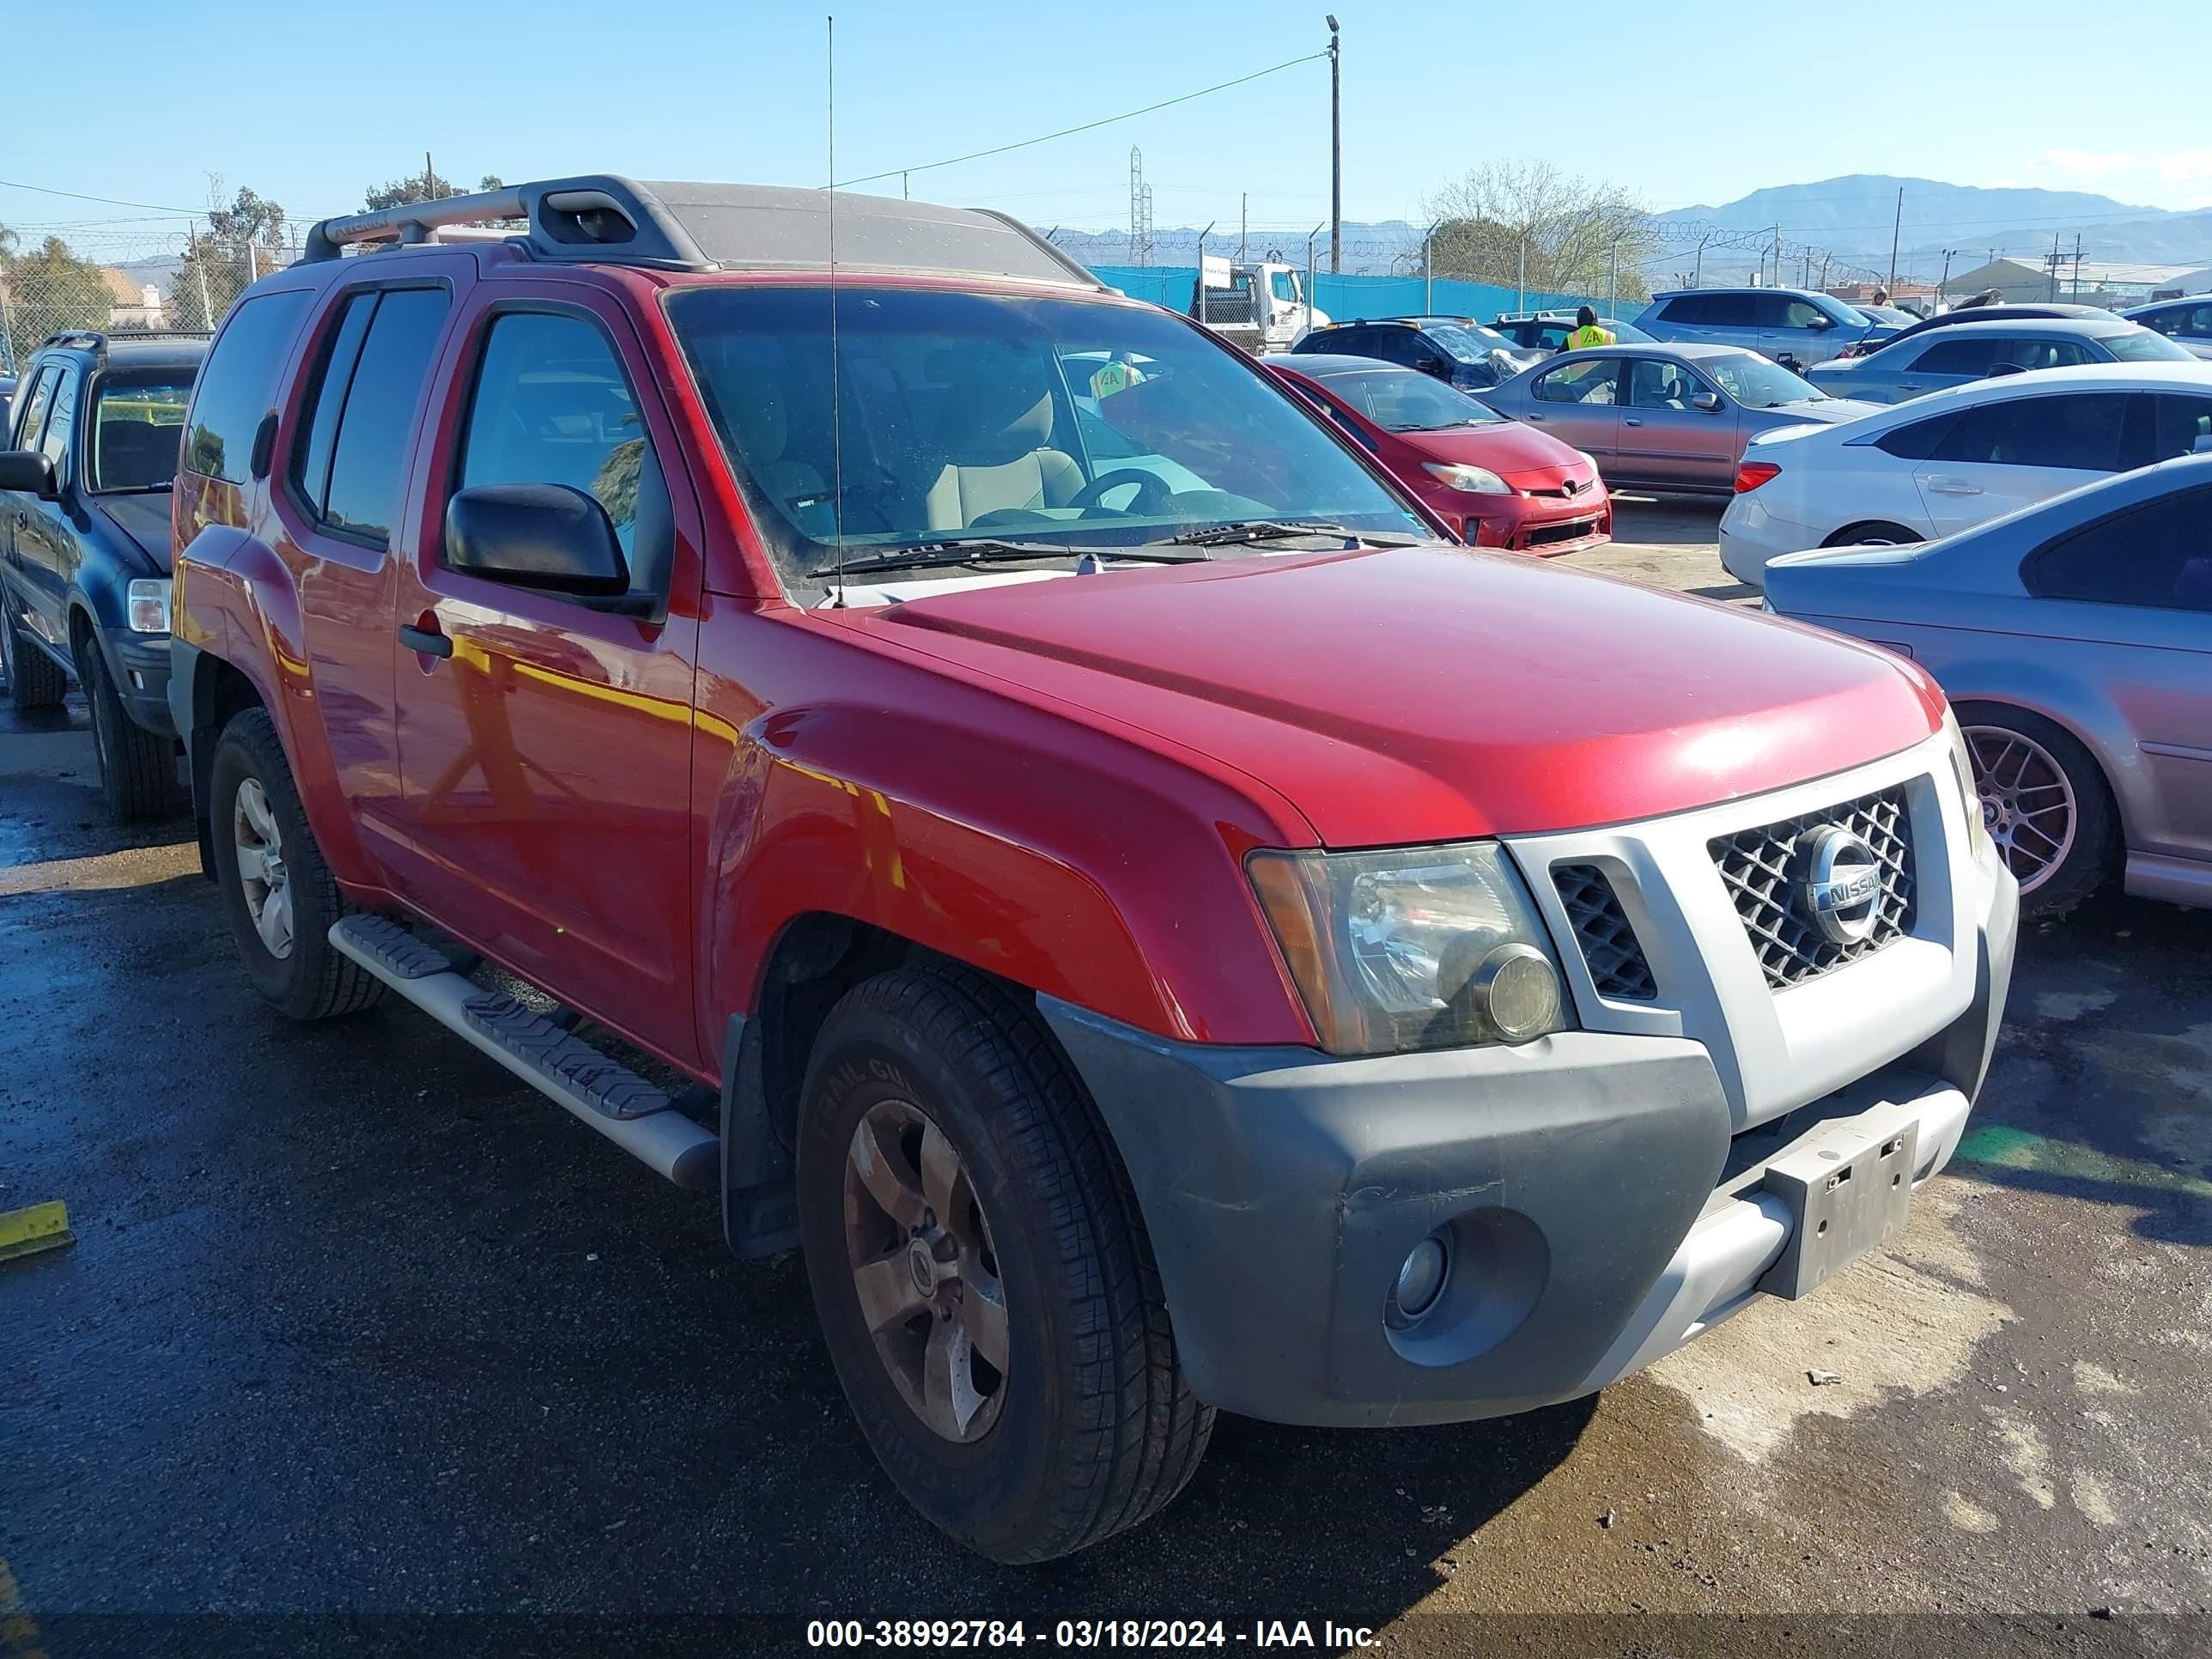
(84, 546)
(1795, 326)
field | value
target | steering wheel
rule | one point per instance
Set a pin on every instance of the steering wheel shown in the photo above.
(1153, 491)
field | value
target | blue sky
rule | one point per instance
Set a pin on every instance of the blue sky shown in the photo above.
(1681, 102)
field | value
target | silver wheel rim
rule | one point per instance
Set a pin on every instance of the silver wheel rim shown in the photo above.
(2027, 805)
(261, 872)
(925, 1270)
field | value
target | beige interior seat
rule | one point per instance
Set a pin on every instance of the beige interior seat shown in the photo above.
(755, 405)
(998, 457)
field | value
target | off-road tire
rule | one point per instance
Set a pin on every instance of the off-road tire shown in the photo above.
(2095, 852)
(1098, 1429)
(34, 679)
(316, 981)
(137, 767)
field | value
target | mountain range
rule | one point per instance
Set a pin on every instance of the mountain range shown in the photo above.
(1851, 218)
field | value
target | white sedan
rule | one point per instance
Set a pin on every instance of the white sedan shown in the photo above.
(1946, 462)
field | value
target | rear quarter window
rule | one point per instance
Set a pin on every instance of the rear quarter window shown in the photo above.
(239, 384)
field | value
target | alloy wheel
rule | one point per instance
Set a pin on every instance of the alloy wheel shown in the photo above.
(928, 1277)
(2027, 804)
(267, 883)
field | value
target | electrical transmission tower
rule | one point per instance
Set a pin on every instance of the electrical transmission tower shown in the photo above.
(1140, 210)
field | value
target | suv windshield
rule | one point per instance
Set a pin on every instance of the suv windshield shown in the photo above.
(138, 429)
(1403, 401)
(1756, 383)
(969, 416)
(2143, 345)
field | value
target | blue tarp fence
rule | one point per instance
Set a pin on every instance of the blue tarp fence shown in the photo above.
(1346, 297)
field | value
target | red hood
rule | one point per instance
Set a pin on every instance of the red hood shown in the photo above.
(1426, 694)
(1507, 449)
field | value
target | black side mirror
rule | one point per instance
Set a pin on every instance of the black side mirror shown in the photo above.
(28, 469)
(1430, 365)
(542, 535)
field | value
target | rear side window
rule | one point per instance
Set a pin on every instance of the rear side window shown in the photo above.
(1593, 380)
(2157, 556)
(238, 384)
(2080, 431)
(63, 422)
(1707, 310)
(33, 413)
(382, 389)
(1970, 356)
(1918, 441)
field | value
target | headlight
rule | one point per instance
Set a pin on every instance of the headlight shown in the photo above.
(1425, 947)
(149, 604)
(1970, 791)
(1475, 480)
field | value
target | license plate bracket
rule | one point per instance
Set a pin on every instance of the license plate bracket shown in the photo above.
(1849, 1187)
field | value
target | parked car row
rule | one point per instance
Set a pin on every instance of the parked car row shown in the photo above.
(1087, 839)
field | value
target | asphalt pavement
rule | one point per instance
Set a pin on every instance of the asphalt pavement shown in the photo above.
(356, 1326)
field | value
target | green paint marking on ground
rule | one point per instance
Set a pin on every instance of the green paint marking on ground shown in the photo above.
(2016, 1149)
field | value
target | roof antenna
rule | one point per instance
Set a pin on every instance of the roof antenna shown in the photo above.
(836, 410)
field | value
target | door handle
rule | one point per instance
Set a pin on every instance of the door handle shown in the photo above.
(1908, 386)
(1630, 420)
(427, 640)
(1539, 419)
(1954, 487)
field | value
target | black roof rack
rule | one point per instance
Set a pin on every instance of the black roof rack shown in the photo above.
(606, 219)
(93, 339)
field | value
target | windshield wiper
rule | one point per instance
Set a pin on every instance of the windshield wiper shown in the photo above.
(926, 554)
(1268, 530)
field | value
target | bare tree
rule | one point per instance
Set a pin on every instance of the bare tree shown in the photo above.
(1570, 230)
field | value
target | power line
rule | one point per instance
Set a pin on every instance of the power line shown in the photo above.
(1065, 132)
(79, 196)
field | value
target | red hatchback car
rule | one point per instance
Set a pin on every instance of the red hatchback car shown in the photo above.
(1497, 482)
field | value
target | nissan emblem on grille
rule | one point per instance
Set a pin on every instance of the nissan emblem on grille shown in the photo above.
(1840, 884)
(1818, 891)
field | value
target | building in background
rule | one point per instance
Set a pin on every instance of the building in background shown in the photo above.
(134, 304)
(2089, 281)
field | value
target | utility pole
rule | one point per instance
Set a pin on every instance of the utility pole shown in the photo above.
(1613, 284)
(2077, 265)
(2054, 265)
(1896, 227)
(1243, 223)
(1946, 280)
(904, 197)
(1521, 288)
(1202, 235)
(1777, 256)
(1335, 149)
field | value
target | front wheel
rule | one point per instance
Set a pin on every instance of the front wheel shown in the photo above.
(137, 768)
(277, 891)
(985, 1290)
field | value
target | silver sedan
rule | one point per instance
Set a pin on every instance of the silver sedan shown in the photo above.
(1665, 417)
(2075, 640)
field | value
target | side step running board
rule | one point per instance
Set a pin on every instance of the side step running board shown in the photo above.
(606, 1094)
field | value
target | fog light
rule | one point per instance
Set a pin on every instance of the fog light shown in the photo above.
(1517, 991)
(1420, 1281)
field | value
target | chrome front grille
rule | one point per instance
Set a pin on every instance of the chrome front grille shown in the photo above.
(1764, 871)
(1615, 956)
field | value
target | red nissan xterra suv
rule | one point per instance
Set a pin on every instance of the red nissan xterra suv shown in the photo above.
(1024, 813)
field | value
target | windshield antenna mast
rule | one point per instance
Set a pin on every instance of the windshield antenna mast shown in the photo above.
(836, 410)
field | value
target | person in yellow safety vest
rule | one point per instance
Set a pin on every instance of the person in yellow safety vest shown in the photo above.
(1587, 334)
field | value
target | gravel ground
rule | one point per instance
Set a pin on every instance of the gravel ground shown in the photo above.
(356, 1326)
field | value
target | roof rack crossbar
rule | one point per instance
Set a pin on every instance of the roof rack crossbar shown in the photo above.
(410, 221)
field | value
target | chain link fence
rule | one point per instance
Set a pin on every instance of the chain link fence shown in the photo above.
(52, 290)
